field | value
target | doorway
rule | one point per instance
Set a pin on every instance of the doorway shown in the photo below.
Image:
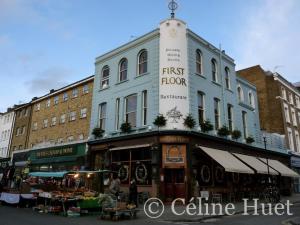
(174, 184)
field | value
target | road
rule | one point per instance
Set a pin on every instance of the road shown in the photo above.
(23, 216)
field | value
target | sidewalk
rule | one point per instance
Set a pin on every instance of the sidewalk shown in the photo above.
(207, 212)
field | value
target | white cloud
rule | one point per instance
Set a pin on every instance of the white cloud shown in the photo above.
(270, 37)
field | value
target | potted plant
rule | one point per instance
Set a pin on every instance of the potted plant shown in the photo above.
(206, 126)
(249, 140)
(189, 122)
(125, 127)
(97, 132)
(223, 131)
(160, 121)
(236, 134)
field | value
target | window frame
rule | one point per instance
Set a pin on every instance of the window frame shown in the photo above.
(227, 78)
(105, 80)
(102, 115)
(214, 70)
(130, 112)
(199, 62)
(201, 110)
(217, 113)
(142, 64)
(123, 72)
(144, 107)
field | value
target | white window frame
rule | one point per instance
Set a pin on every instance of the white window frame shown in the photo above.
(199, 62)
(230, 120)
(130, 112)
(38, 107)
(53, 121)
(74, 92)
(291, 99)
(214, 70)
(202, 109)
(48, 103)
(102, 115)
(227, 78)
(251, 99)
(34, 126)
(297, 137)
(62, 118)
(72, 116)
(297, 102)
(142, 64)
(45, 123)
(240, 93)
(85, 89)
(245, 124)
(124, 70)
(55, 100)
(217, 113)
(117, 116)
(283, 92)
(83, 113)
(294, 119)
(286, 112)
(105, 80)
(144, 107)
(290, 139)
(65, 96)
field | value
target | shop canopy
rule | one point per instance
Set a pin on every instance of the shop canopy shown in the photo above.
(49, 174)
(227, 160)
(256, 164)
(281, 168)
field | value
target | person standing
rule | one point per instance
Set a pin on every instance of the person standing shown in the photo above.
(114, 187)
(133, 193)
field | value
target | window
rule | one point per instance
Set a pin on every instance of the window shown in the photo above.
(286, 113)
(65, 96)
(297, 141)
(53, 121)
(60, 140)
(201, 107)
(45, 123)
(75, 93)
(240, 94)
(144, 108)
(227, 77)
(123, 70)
(85, 89)
(217, 113)
(23, 130)
(290, 137)
(198, 61)
(283, 93)
(291, 100)
(48, 103)
(80, 137)
(83, 112)
(72, 116)
(214, 70)
(105, 77)
(102, 115)
(244, 120)
(56, 98)
(251, 99)
(18, 131)
(38, 107)
(297, 102)
(27, 112)
(63, 118)
(294, 119)
(117, 118)
(35, 126)
(142, 62)
(131, 108)
(71, 138)
(230, 116)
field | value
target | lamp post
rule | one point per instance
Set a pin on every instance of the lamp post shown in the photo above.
(265, 144)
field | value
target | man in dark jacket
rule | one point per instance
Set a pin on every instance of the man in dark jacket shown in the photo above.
(133, 193)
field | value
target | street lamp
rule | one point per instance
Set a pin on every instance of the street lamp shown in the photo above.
(265, 144)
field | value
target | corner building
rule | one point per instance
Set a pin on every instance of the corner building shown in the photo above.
(174, 72)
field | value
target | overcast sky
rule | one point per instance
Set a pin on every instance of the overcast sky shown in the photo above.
(47, 44)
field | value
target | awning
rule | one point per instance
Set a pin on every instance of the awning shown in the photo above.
(280, 167)
(48, 174)
(256, 164)
(129, 147)
(61, 159)
(227, 160)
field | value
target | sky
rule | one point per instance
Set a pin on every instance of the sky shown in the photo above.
(46, 44)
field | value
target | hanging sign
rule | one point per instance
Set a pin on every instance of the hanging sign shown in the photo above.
(173, 73)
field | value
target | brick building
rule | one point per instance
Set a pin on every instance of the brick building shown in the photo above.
(59, 127)
(279, 112)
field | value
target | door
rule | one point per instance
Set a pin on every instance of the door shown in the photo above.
(174, 184)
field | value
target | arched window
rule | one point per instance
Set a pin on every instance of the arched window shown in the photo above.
(123, 69)
(214, 70)
(227, 77)
(240, 93)
(251, 99)
(142, 62)
(105, 77)
(198, 61)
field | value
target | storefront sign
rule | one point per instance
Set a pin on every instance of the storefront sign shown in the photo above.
(174, 139)
(55, 152)
(173, 73)
(174, 156)
(295, 161)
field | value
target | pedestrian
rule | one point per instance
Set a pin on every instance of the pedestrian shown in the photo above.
(133, 193)
(114, 187)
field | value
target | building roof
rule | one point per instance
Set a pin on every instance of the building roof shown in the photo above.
(297, 84)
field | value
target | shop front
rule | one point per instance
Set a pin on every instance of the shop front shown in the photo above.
(178, 164)
(58, 158)
(295, 164)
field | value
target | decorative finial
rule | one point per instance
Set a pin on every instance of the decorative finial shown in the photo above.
(173, 6)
